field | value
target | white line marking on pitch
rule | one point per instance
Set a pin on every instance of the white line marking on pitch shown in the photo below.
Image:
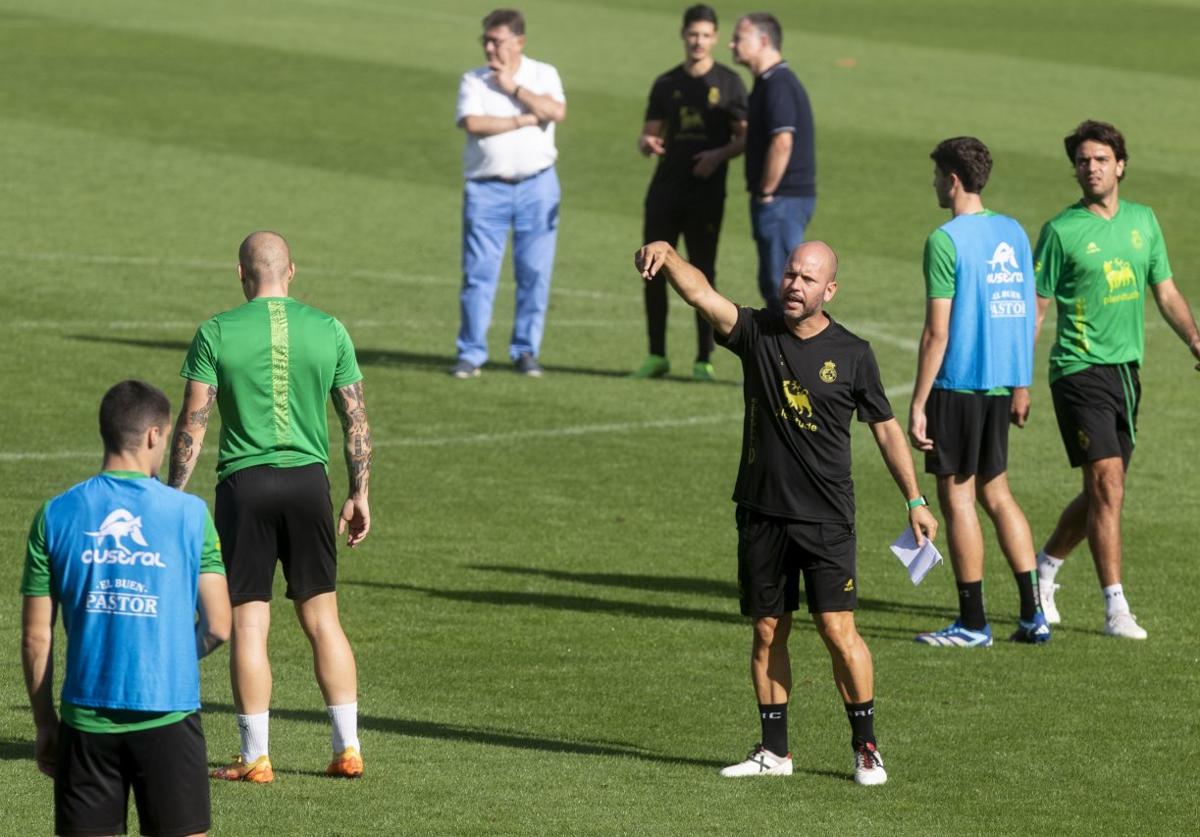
(471, 439)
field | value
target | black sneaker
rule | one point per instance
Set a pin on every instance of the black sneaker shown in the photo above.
(527, 365)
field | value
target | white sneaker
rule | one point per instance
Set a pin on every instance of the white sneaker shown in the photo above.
(760, 762)
(1124, 625)
(1046, 590)
(868, 765)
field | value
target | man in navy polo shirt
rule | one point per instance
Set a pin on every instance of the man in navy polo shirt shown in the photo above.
(781, 170)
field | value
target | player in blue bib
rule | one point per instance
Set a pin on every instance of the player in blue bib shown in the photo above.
(128, 562)
(973, 374)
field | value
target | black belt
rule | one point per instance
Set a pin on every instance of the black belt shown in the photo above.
(511, 181)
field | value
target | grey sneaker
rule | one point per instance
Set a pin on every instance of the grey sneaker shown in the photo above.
(527, 365)
(465, 369)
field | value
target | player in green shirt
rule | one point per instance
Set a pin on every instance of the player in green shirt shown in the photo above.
(269, 366)
(1095, 260)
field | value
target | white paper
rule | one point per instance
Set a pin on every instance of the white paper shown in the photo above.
(918, 560)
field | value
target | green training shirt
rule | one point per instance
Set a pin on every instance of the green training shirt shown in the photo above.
(1097, 270)
(36, 582)
(941, 276)
(273, 361)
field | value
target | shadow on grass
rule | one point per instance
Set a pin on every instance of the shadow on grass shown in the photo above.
(692, 586)
(396, 358)
(552, 601)
(436, 731)
(16, 750)
(653, 583)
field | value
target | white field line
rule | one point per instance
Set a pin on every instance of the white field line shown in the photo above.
(471, 438)
(230, 267)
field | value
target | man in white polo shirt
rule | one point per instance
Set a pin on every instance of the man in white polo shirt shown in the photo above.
(508, 109)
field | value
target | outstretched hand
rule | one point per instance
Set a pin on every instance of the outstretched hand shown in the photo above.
(650, 259)
(356, 514)
(924, 524)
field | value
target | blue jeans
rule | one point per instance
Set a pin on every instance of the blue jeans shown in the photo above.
(778, 229)
(490, 209)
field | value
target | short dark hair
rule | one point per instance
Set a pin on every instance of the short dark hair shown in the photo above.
(966, 157)
(513, 19)
(1101, 132)
(699, 12)
(127, 411)
(766, 23)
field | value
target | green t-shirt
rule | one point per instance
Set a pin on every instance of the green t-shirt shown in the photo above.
(941, 276)
(274, 361)
(1097, 270)
(35, 581)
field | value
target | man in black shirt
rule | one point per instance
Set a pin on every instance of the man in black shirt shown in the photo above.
(781, 168)
(695, 123)
(805, 377)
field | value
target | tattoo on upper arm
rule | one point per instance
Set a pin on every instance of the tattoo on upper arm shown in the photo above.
(200, 416)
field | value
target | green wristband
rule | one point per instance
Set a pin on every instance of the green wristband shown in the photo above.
(918, 501)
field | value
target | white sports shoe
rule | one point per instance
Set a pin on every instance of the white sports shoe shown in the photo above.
(1046, 590)
(868, 765)
(760, 762)
(1124, 625)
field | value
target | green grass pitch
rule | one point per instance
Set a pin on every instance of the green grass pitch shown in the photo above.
(544, 613)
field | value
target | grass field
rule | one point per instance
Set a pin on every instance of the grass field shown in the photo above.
(544, 613)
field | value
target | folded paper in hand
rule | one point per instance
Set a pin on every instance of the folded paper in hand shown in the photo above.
(918, 560)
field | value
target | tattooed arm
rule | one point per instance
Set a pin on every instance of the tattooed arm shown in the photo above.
(190, 427)
(352, 411)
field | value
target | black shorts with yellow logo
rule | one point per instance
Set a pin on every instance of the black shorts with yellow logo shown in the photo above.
(1097, 412)
(774, 552)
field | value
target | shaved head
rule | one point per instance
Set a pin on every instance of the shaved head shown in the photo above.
(264, 257)
(818, 257)
(809, 281)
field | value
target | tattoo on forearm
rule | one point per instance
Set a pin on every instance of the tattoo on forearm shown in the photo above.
(181, 459)
(351, 408)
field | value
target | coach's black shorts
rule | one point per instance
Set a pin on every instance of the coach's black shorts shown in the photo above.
(167, 767)
(265, 513)
(1097, 412)
(969, 432)
(774, 552)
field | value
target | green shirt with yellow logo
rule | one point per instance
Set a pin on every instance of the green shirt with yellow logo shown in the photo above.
(274, 362)
(1097, 271)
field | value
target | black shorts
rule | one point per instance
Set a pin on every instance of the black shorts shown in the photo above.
(264, 514)
(774, 552)
(969, 432)
(167, 767)
(1097, 412)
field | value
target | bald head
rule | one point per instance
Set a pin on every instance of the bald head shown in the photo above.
(809, 281)
(265, 259)
(815, 257)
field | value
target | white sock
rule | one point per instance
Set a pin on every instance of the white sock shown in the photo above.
(1047, 566)
(254, 732)
(344, 721)
(1114, 600)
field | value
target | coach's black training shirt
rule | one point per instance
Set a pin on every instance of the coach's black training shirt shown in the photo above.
(699, 113)
(800, 395)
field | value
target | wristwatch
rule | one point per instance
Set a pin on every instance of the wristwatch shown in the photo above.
(917, 502)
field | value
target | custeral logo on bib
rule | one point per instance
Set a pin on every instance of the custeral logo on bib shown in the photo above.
(828, 372)
(714, 95)
(1135, 238)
